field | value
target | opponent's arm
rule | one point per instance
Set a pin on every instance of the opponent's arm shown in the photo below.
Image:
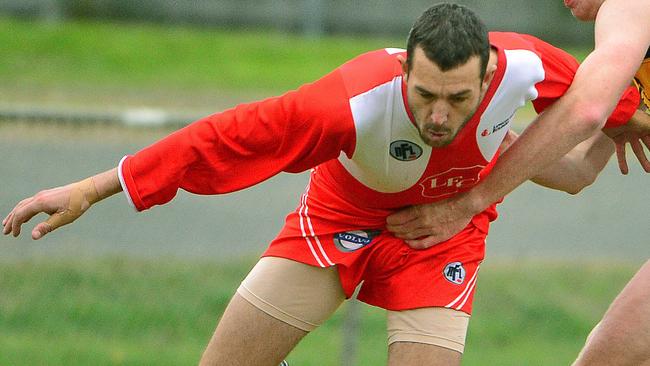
(64, 204)
(622, 37)
(580, 167)
(575, 170)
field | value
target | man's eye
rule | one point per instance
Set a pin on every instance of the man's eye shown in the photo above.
(458, 99)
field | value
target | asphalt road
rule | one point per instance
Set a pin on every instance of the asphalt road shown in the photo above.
(609, 221)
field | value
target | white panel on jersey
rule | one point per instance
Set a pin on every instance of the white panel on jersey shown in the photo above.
(392, 51)
(524, 69)
(380, 119)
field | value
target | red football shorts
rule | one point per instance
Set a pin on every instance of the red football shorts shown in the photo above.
(394, 276)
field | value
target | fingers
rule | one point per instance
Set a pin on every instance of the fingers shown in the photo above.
(646, 141)
(41, 230)
(414, 234)
(402, 217)
(6, 224)
(423, 243)
(64, 204)
(428, 241)
(7, 220)
(637, 147)
(16, 218)
(410, 223)
(22, 213)
(620, 157)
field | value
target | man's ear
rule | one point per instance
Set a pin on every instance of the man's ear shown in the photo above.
(405, 66)
(489, 75)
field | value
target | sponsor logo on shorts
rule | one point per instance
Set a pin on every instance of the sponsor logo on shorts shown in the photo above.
(405, 150)
(455, 273)
(354, 240)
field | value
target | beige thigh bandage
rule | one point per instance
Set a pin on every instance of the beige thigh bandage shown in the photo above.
(437, 326)
(298, 294)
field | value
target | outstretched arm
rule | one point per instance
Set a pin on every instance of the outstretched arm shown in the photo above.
(220, 153)
(577, 169)
(64, 204)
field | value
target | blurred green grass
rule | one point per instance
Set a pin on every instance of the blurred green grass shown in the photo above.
(105, 55)
(118, 311)
(109, 54)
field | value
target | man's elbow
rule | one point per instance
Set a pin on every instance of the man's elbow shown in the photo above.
(590, 116)
(583, 180)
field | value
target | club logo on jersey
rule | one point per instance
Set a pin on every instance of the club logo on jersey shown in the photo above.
(450, 182)
(354, 240)
(497, 127)
(405, 150)
(454, 272)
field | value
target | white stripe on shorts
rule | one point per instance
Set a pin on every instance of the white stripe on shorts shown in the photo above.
(303, 214)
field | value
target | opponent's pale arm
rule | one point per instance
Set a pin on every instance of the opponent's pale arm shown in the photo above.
(580, 167)
(64, 204)
(622, 37)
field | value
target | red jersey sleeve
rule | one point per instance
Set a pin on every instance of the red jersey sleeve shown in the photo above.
(560, 68)
(245, 145)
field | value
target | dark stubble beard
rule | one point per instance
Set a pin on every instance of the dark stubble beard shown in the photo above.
(433, 128)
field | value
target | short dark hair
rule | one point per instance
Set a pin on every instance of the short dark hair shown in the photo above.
(449, 35)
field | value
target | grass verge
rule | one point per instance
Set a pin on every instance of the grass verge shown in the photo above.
(131, 312)
(159, 56)
(105, 55)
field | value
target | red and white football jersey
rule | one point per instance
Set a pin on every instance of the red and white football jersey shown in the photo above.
(354, 128)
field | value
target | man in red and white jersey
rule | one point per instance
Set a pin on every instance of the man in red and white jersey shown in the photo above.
(622, 36)
(389, 129)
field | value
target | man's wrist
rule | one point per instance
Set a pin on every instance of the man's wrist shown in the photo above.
(471, 202)
(106, 184)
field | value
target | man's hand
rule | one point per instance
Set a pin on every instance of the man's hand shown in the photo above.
(637, 133)
(635, 140)
(422, 226)
(63, 204)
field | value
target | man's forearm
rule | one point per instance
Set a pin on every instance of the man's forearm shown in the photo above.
(580, 167)
(107, 183)
(542, 143)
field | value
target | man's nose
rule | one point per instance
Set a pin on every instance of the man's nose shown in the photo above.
(439, 114)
